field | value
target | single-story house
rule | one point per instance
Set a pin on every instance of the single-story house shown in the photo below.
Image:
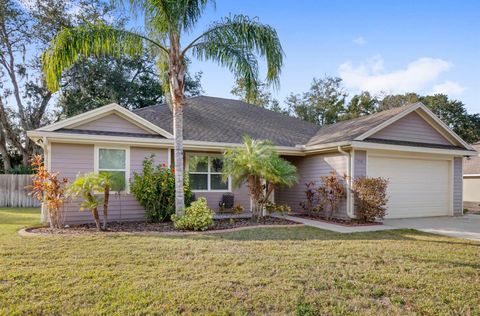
(409, 145)
(471, 181)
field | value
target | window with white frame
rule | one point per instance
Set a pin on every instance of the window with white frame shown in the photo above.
(114, 162)
(205, 173)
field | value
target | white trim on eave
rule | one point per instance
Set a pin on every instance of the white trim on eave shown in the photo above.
(413, 149)
(103, 111)
(191, 145)
(473, 175)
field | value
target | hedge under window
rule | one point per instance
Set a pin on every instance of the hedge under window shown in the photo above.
(114, 163)
(205, 173)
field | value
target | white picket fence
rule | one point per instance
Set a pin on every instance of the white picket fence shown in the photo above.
(13, 192)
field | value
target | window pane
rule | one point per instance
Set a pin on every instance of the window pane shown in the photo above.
(198, 181)
(198, 164)
(117, 180)
(217, 165)
(216, 182)
(111, 159)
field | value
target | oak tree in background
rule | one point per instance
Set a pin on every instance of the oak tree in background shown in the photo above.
(131, 82)
(261, 96)
(360, 105)
(25, 30)
(234, 42)
(323, 104)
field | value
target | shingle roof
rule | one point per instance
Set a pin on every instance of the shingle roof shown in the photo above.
(472, 165)
(351, 129)
(106, 133)
(227, 121)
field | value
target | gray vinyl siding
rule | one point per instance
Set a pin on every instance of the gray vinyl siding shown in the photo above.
(72, 159)
(457, 186)
(360, 164)
(138, 155)
(241, 197)
(112, 123)
(311, 168)
(411, 128)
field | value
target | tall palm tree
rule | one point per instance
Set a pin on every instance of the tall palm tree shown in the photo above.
(234, 42)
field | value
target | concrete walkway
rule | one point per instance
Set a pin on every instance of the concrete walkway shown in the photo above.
(336, 228)
(467, 226)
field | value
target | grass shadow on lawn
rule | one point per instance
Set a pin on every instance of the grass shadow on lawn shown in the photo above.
(312, 233)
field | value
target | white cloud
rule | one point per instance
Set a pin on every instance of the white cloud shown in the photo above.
(448, 87)
(372, 77)
(360, 40)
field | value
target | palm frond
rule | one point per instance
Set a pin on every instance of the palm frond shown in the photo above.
(170, 15)
(257, 158)
(73, 44)
(235, 42)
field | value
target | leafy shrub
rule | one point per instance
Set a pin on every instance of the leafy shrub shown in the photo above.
(48, 189)
(154, 189)
(88, 186)
(198, 216)
(237, 209)
(333, 190)
(314, 202)
(277, 208)
(20, 169)
(370, 198)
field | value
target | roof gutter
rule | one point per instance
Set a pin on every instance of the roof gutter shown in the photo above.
(427, 150)
(350, 212)
(148, 142)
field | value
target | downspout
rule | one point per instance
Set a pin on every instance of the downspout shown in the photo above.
(43, 214)
(349, 181)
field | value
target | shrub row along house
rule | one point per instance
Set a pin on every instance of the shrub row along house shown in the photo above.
(419, 155)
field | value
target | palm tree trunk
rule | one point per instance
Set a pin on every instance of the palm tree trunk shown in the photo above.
(177, 84)
(96, 217)
(178, 158)
(106, 197)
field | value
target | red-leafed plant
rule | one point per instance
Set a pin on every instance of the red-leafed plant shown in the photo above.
(370, 198)
(314, 201)
(49, 190)
(333, 191)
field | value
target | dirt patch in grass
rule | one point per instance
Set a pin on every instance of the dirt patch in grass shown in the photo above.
(166, 227)
(337, 221)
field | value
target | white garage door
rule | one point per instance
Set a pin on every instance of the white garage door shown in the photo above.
(417, 187)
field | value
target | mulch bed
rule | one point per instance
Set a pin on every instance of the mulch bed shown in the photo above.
(167, 227)
(336, 221)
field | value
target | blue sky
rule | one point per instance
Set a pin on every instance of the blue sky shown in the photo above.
(393, 46)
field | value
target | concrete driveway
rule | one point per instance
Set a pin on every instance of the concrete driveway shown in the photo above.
(467, 226)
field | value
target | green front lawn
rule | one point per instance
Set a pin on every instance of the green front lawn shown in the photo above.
(303, 271)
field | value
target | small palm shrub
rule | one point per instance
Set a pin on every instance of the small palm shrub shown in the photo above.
(259, 165)
(154, 189)
(370, 198)
(198, 216)
(88, 186)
